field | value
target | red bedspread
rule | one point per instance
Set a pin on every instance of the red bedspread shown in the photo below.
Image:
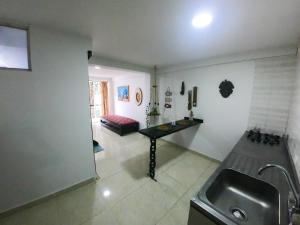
(119, 119)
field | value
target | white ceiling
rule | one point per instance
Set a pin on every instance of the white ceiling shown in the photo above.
(148, 32)
(108, 72)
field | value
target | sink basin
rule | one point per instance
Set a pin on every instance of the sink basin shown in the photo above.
(244, 199)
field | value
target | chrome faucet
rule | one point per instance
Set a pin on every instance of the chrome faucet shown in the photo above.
(288, 178)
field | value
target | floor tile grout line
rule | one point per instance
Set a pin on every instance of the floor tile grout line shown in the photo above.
(173, 204)
(121, 199)
(188, 188)
(140, 187)
(136, 188)
(163, 172)
(181, 197)
(131, 192)
(113, 205)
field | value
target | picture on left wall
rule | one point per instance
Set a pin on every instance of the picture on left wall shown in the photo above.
(123, 93)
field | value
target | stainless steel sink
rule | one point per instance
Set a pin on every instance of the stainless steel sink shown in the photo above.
(244, 199)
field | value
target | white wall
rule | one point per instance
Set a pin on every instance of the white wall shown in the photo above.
(45, 128)
(225, 120)
(294, 121)
(130, 109)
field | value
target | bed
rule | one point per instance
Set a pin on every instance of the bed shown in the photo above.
(120, 124)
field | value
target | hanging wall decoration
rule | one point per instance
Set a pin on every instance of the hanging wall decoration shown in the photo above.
(190, 93)
(195, 96)
(168, 98)
(152, 110)
(182, 88)
(154, 104)
(123, 93)
(226, 88)
(139, 96)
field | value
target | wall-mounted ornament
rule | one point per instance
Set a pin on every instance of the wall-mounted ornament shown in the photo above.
(139, 96)
(190, 93)
(152, 109)
(226, 88)
(168, 98)
(195, 96)
(182, 90)
(123, 93)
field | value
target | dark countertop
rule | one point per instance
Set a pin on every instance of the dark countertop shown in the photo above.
(158, 132)
(247, 157)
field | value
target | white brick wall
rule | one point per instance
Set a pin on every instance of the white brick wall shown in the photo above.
(294, 122)
(272, 93)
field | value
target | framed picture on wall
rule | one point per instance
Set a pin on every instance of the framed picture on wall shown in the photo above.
(123, 93)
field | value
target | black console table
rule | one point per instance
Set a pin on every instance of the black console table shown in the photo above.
(160, 131)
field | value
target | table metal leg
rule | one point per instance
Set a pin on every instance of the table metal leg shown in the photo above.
(152, 162)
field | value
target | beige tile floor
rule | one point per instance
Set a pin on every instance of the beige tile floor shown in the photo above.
(124, 195)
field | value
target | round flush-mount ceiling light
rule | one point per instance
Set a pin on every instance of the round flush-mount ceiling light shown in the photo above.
(97, 67)
(106, 193)
(202, 20)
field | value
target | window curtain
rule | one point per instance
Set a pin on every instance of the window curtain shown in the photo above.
(104, 93)
(91, 93)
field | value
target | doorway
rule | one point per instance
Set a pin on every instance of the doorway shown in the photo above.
(116, 154)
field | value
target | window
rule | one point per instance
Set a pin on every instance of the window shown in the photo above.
(98, 99)
(14, 51)
(95, 100)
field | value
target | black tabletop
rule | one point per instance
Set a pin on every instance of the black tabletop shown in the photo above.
(167, 128)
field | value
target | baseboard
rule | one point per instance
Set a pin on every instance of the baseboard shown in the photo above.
(46, 198)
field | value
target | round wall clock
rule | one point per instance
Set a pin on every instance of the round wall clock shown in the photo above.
(139, 97)
(226, 88)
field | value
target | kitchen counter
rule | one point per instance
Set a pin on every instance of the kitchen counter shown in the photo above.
(247, 157)
(163, 130)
